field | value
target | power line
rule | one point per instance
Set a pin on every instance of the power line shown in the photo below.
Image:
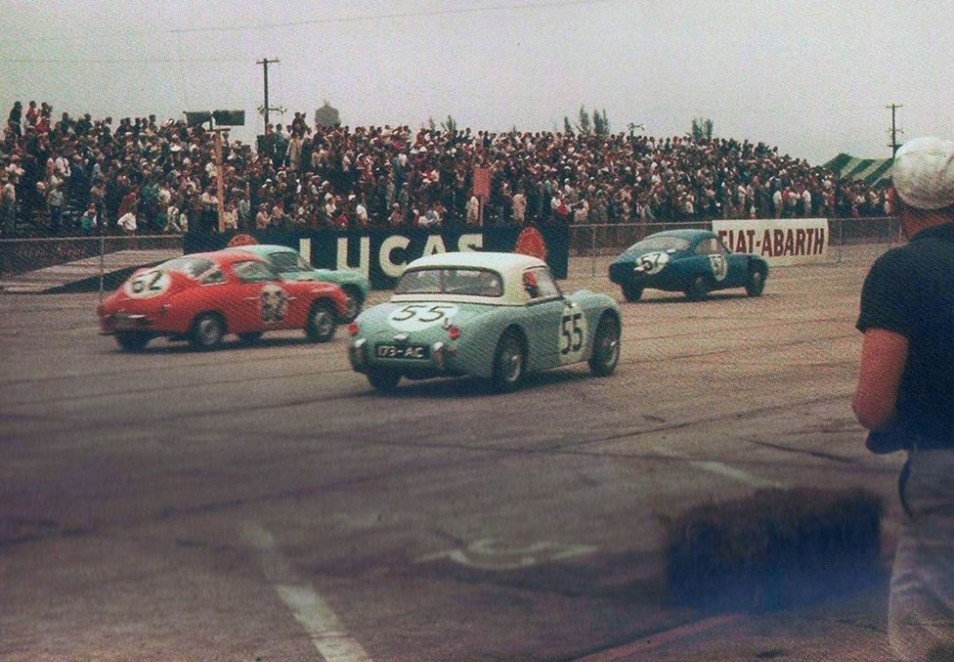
(116, 61)
(315, 21)
(397, 15)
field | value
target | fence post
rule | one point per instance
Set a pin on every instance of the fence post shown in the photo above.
(102, 264)
(593, 250)
(841, 240)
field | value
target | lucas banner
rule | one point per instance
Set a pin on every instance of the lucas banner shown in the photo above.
(381, 255)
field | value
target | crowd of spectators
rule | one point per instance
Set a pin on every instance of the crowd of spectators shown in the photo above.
(63, 174)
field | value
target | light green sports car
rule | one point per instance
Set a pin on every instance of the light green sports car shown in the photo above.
(292, 266)
(496, 316)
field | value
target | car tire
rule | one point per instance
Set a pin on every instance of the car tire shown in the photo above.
(605, 347)
(132, 341)
(354, 304)
(509, 363)
(207, 332)
(383, 379)
(698, 289)
(755, 282)
(321, 324)
(632, 292)
(251, 338)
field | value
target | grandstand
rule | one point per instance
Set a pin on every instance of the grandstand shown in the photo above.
(164, 174)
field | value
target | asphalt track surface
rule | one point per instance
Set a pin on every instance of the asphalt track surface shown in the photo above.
(264, 503)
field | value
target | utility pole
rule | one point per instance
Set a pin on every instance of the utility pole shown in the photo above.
(219, 177)
(894, 130)
(265, 62)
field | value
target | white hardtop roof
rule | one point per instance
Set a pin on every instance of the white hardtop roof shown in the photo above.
(497, 261)
(509, 265)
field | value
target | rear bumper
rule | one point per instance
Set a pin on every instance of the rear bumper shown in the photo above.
(621, 273)
(440, 361)
(118, 322)
(625, 273)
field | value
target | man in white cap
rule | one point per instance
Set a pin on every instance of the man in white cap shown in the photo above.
(905, 394)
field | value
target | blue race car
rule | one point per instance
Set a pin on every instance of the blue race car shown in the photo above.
(692, 261)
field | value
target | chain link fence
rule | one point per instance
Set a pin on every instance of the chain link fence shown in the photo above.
(111, 258)
(18, 256)
(80, 263)
(608, 240)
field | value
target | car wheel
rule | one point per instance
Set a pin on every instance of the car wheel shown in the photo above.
(207, 332)
(755, 283)
(509, 363)
(605, 347)
(632, 292)
(251, 338)
(698, 289)
(321, 325)
(132, 341)
(354, 304)
(383, 379)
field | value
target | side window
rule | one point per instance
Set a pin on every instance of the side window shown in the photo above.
(548, 286)
(711, 246)
(539, 284)
(254, 272)
(214, 278)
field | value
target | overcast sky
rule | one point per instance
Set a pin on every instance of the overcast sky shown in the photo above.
(813, 77)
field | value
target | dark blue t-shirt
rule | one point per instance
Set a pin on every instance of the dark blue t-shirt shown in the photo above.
(910, 290)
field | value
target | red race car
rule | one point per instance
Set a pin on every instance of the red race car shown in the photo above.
(204, 296)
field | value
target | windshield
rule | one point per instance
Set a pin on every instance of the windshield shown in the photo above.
(451, 280)
(660, 243)
(192, 266)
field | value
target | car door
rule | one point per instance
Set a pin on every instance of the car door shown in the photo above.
(723, 270)
(264, 302)
(556, 327)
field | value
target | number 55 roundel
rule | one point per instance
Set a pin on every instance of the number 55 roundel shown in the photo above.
(418, 316)
(572, 334)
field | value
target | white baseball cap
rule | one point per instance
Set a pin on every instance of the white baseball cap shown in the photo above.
(923, 173)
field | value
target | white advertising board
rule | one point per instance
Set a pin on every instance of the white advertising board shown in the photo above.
(781, 242)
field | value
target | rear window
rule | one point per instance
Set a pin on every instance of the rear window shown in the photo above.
(451, 280)
(191, 266)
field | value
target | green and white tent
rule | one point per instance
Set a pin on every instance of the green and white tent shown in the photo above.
(870, 171)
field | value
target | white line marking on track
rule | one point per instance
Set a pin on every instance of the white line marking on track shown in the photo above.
(317, 618)
(493, 554)
(722, 469)
(654, 642)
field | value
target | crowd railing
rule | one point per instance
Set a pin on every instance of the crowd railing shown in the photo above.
(595, 242)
